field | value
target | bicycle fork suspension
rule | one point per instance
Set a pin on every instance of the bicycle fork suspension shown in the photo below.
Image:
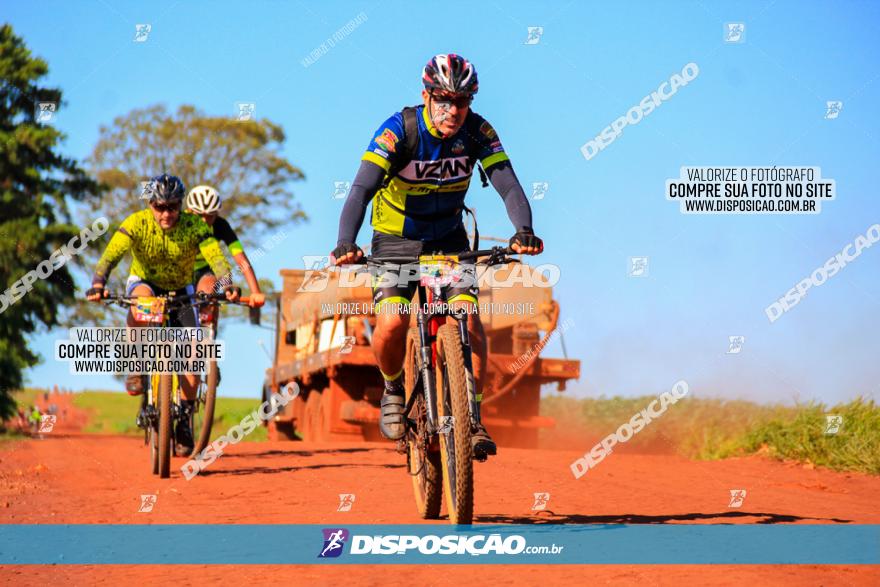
(473, 400)
(428, 383)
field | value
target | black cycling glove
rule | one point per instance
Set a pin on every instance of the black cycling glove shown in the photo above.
(96, 291)
(343, 249)
(527, 238)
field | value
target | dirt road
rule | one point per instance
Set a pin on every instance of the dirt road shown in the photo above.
(74, 478)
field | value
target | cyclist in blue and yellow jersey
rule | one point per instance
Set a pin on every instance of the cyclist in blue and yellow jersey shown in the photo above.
(164, 244)
(416, 172)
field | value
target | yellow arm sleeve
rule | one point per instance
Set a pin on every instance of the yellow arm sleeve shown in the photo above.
(116, 249)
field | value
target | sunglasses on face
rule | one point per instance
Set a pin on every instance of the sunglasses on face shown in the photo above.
(166, 207)
(457, 101)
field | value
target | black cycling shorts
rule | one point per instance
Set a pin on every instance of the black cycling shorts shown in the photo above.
(388, 245)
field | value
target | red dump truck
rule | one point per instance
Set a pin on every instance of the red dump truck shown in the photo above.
(323, 330)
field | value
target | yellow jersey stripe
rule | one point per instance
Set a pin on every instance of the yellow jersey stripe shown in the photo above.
(494, 158)
(429, 124)
(380, 161)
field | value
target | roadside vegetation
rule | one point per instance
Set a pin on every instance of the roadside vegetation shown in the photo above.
(716, 429)
(694, 428)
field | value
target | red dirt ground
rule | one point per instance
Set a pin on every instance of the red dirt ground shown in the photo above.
(68, 477)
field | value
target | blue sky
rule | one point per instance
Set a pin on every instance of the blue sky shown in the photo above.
(758, 103)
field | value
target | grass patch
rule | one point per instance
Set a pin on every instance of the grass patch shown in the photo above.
(114, 413)
(713, 429)
(802, 436)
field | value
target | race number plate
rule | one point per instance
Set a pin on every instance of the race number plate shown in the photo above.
(439, 270)
(147, 309)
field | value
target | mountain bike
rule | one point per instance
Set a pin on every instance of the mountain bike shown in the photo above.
(440, 390)
(161, 406)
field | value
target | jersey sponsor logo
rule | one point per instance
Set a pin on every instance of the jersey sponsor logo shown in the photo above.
(381, 153)
(455, 168)
(458, 147)
(387, 140)
(495, 146)
(487, 130)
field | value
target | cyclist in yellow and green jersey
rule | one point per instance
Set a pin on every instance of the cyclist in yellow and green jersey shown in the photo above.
(204, 201)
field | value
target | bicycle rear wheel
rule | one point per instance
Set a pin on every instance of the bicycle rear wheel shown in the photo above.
(203, 416)
(165, 438)
(455, 444)
(424, 460)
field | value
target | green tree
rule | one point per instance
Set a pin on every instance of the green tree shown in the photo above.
(35, 182)
(242, 160)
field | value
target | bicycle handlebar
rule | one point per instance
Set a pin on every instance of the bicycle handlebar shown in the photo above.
(497, 256)
(198, 298)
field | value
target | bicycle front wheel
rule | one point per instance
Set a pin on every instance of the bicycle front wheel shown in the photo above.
(424, 460)
(455, 425)
(166, 384)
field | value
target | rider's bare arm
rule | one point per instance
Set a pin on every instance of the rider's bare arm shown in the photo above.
(257, 297)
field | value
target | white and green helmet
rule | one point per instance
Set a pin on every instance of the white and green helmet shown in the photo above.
(203, 199)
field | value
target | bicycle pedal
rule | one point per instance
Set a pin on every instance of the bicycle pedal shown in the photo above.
(480, 456)
(401, 446)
